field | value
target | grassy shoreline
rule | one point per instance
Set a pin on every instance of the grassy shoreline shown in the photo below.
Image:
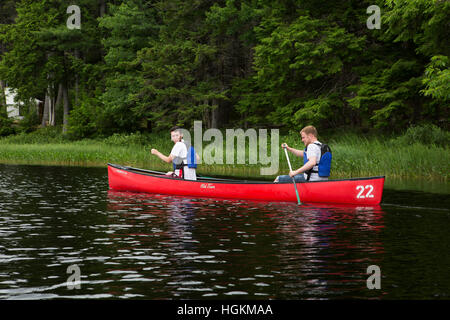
(353, 156)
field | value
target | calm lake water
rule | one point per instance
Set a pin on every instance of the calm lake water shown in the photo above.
(140, 246)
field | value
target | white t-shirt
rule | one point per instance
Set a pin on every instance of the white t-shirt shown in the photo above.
(179, 153)
(313, 150)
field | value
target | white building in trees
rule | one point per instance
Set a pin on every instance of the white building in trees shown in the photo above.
(14, 108)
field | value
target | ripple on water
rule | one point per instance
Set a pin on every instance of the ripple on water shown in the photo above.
(236, 293)
(141, 279)
(140, 258)
(159, 247)
(194, 289)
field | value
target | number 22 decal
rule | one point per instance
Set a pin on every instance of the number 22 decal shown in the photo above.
(361, 190)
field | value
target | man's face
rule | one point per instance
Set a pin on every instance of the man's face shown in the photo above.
(306, 138)
(175, 136)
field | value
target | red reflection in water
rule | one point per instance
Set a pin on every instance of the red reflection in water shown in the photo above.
(337, 241)
(310, 222)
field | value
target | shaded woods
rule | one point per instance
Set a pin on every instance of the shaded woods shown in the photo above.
(138, 65)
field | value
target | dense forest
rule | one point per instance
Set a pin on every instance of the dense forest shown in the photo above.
(136, 65)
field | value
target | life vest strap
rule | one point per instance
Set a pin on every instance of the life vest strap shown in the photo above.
(181, 168)
(309, 172)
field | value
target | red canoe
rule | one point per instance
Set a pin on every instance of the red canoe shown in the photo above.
(359, 191)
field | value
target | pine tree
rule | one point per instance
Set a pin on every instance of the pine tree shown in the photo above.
(130, 27)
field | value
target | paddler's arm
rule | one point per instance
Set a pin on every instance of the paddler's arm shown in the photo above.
(298, 153)
(168, 159)
(307, 166)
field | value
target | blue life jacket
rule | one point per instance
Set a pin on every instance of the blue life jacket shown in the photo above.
(191, 158)
(324, 166)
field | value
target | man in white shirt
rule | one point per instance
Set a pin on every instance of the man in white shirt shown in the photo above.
(178, 156)
(313, 154)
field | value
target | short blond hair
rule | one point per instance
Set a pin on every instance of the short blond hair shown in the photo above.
(309, 130)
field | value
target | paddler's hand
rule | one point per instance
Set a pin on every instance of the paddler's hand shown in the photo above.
(292, 173)
(284, 145)
(154, 151)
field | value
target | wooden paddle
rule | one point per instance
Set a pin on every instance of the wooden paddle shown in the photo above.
(293, 179)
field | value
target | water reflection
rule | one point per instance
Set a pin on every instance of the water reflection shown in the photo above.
(253, 247)
(131, 245)
(326, 248)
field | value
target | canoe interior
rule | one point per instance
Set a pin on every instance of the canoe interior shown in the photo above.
(162, 175)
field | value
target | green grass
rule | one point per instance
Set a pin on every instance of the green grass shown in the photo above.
(362, 158)
(353, 156)
(85, 153)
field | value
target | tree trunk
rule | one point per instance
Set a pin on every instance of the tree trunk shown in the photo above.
(3, 106)
(51, 109)
(59, 98)
(66, 104)
(49, 113)
(207, 115)
(51, 106)
(102, 7)
(77, 55)
(46, 108)
(215, 114)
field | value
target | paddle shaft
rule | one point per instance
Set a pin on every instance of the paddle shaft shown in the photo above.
(293, 179)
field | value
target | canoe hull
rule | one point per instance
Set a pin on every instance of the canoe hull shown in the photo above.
(360, 191)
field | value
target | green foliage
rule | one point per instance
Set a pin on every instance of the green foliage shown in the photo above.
(182, 73)
(437, 79)
(149, 65)
(428, 134)
(130, 27)
(22, 66)
(30, 119)
(5, 125)
(391, 90)
(86, 119)
(42, 53)
(39, 136)
(298, 62)
(423, 22)
(136, 138)
(172, 94)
